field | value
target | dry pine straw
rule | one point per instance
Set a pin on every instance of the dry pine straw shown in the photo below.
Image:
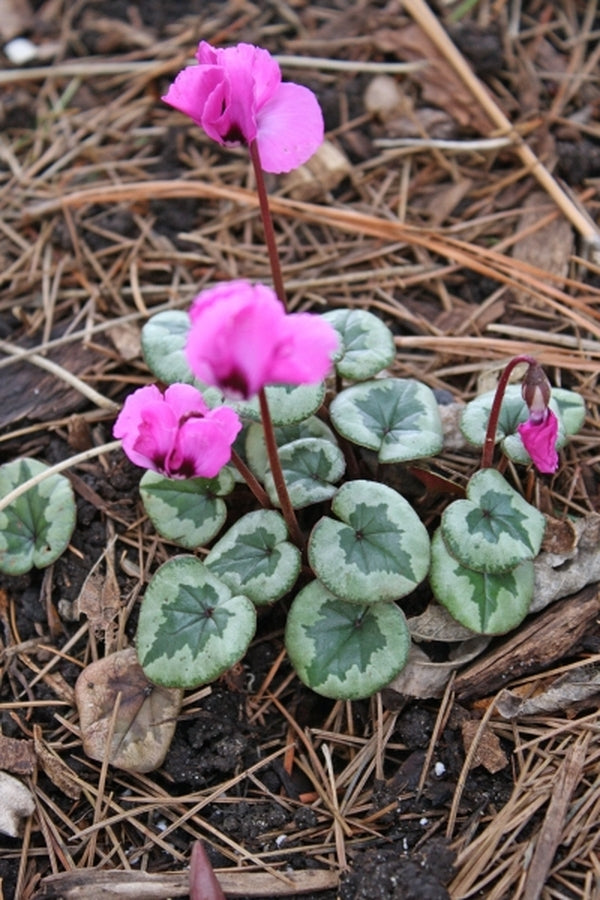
(378, 244)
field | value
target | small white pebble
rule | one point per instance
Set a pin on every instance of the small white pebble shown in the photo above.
(20, 51)
(439, 769)
(423, 822)
(280, 840)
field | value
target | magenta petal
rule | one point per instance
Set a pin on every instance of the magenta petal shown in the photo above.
(289, 128)
(304, 354)
(142, 413)
(539, 439)
(192, 90)
(203, 446)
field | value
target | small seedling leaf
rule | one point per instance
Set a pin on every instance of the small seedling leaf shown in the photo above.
(188, 512)
(396, 417)
(36, 527)
(494, 529)
(377, 549)
(485, 603)
(191, 627)
(341, 650)
(311, 468)
(256, 558)
(367, 343)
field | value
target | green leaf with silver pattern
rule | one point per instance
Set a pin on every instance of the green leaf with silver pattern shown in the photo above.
(377, 549)
(36, 527)
(288, 404)
(254, 557)
(494, 529)
(189, 512)
(485, 603)
(311, 468)
(367, 343)
(255, 448)
(396, 417)
(341, 650)
(191, 627)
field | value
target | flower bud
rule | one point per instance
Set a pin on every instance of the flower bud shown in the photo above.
(536, 391)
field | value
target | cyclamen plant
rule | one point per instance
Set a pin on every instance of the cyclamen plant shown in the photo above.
(295, 406)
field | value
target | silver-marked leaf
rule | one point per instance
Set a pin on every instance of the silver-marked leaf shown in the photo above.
(287, 403)
(164, 337)
(341, 650)
(571, 409)
(367, 343)
(311, 468)
(494, 529)
(189, 512)
(256, 450)
(376, 550)
(36, 527)
(396, 417)
(255, 557)
(483, 602)
(191, 628)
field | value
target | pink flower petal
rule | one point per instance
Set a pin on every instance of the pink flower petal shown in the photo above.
(242, 340)
(175, 433)
(539, 439)
(289, 128)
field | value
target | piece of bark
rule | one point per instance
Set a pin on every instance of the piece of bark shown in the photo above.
(548, 637)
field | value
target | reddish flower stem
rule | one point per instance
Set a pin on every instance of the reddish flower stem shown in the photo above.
(251, 480)
(490, 436)
(267, 220)
(280, 486)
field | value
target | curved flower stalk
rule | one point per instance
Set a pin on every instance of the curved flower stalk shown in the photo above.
(175, 433)
(241, 340)
(540, 431)
(236, 95)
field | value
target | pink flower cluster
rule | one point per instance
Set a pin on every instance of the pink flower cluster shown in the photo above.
(236, 95)
(175, 433)
(240, 340)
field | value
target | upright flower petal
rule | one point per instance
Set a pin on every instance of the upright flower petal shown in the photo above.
(235, 94)
(241, 340)
(539, 439)
(290, 128)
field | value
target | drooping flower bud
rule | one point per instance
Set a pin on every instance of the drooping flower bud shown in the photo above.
(536, 391)
(540, 431)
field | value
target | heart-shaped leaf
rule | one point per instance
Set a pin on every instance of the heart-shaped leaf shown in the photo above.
(255, 557)
(396, 417)
(311, 468)
(188, 512)
(256, 449)
(138, 736)
(486, 603)
(288, 404)
(367, 343)
(494, 529)
(191, 627)
(376, 550)
(36, 527)
(341, 650)
(570, 409)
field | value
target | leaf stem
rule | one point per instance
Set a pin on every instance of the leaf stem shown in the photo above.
(280, 486)
(267, 220)
(490, 435)
(251, 480)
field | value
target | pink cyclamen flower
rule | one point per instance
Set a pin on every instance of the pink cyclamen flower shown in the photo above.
(539, 439)
(175, 433)
(236, 95)
(241, 339)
